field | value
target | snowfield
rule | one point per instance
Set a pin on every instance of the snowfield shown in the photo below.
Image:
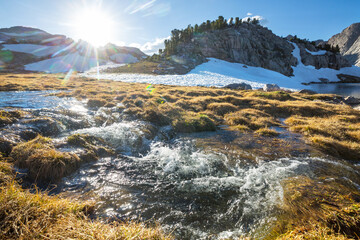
(73, 61)
(219, 73)
(215, 72)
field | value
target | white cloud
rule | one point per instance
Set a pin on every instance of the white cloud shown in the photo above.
(149, 8)
(142, 7)
(263, 21)
(249, 14)
(151, 47)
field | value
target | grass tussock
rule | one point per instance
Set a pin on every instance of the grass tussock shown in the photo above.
(43, 161)
(267, 132)
(8, 117)
(316, 210)
(25, 215)
(336, 135)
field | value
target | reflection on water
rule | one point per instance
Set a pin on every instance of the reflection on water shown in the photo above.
(39, 100)
(343, 89)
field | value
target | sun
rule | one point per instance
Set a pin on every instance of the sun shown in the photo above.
(94, 26)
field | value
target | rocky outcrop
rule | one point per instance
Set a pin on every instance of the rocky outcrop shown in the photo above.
(344, 78)
(310, 55)
(271, 87)
(249, 44)
(349, 43)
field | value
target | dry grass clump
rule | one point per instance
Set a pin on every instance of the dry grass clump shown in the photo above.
(336, 135)
(252, 118)
(276, 95)
(315, 210)
(8, 117)
(197, 123)
(25, 215)
(6, 171)
(96, 103)
(267, 132)
(43, 161)
(221, 108)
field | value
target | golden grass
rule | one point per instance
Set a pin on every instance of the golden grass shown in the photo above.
(316, 210)
(145, 67)
(267, 132)
(25, 215)
(336, 135)
(8, 117)
(333, 128)
(181, 107)
(43, 161)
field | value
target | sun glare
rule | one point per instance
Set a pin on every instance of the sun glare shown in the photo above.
(95, 26)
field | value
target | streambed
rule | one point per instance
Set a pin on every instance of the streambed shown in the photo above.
(217, 185)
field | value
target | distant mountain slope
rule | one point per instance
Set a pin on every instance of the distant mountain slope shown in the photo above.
(31, 49)
(349, 43)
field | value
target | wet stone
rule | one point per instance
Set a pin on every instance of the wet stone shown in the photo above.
(45, 126)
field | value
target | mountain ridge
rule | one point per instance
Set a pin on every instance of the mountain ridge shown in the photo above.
(24, 49)
(349, 43)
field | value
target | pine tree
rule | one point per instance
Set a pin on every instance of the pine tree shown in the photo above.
(231, 22)
(237, 21)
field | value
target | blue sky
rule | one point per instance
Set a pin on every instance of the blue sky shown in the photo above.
(145, 23)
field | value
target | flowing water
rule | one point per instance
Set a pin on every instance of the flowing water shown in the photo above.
(197, 186)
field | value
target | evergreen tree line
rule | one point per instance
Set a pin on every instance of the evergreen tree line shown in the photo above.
(324, 46)
(185, 35)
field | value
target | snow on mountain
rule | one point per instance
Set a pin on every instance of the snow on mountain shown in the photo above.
(321, 52)
(26, 34)
(37, 50)
(73, 61)
(220, 73)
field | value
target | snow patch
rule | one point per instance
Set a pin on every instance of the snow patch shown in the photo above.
(65, 63)
(321, 52)
(37, 50)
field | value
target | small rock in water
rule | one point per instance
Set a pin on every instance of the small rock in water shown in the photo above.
(239, 86)
(307, 91)
(271, 87)
(45, 126)
(324, 80)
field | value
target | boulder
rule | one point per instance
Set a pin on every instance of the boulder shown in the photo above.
(307, 91)
(45, 126)
(351, 100)
(239, 86)
(271, 87)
